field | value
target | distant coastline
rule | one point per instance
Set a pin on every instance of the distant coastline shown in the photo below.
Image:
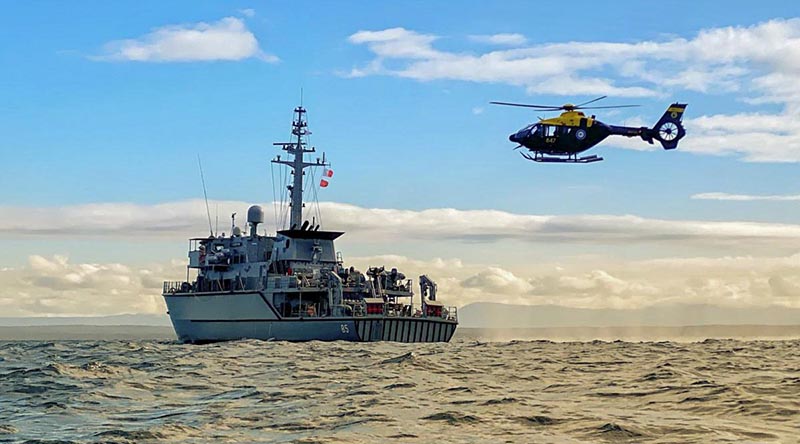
(630, 334)
(691, 333)
(496, 315)
(86, 332)
(484, 321)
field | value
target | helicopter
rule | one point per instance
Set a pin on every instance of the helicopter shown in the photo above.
(561, 139)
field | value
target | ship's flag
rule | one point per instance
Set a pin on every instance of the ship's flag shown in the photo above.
(325, 173)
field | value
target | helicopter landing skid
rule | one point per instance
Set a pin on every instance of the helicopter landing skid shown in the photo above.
(569, 159)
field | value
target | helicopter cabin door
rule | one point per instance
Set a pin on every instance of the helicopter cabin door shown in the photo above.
(549, 134)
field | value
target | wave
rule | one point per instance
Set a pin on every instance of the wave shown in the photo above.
(254, 391)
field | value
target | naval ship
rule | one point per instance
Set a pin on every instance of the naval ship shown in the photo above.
(294, 286)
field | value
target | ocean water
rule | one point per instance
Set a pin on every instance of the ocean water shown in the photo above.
(466, 391)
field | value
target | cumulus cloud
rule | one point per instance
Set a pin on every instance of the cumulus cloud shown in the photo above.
(530, 67)
(758, 62)
(713, 58)
(500, 39)
(188, 218)
(54, 286)
(227, 39)
(747, 197)
(732, 281)
(754, 137)
(497, 280)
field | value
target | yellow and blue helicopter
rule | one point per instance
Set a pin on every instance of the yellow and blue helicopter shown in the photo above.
(561, 139)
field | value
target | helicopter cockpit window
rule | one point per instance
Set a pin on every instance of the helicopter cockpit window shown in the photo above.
(548, 131)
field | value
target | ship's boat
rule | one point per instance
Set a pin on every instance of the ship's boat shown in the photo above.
(294, 286)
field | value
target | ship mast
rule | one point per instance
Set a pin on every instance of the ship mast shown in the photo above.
(297, 149)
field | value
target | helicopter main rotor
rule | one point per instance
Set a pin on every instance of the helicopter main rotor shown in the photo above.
(565, 107)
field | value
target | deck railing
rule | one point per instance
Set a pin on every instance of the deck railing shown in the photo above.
(174, 286)
(286, 282)
(450, 313)
(205, 286)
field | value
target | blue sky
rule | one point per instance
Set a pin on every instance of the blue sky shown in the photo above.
(406, 123)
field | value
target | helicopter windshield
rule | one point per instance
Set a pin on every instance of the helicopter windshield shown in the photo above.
(530, 129)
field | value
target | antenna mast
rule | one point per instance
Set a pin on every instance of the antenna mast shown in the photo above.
(205, 194)
(297, 149)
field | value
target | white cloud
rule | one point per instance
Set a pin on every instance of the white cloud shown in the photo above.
(188, 218)
(761, 63)
(227, 39)
(747, 197)
(48, 286)
(755, 137)
(477, 110)
(55, 286)
(500, 39)
(497, 280)
(396, 43)
(608, 283)
(248, 12)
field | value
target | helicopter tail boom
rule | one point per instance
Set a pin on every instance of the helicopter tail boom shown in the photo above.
(668, 131)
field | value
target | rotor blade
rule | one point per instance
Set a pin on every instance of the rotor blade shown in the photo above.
(527, 106)
(591, 101)
(608, 107)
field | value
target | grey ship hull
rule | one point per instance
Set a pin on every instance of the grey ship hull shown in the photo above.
(211, 317)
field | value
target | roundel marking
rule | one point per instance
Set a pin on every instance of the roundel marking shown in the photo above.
(580, 134)
(674, 115)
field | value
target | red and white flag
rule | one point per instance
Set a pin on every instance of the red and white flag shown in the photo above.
(326, 173)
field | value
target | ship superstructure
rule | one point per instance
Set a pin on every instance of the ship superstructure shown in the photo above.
(294, 285)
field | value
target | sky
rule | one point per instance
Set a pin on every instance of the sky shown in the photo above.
(105, 107)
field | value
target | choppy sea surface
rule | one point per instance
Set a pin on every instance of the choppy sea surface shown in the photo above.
(465, 391)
